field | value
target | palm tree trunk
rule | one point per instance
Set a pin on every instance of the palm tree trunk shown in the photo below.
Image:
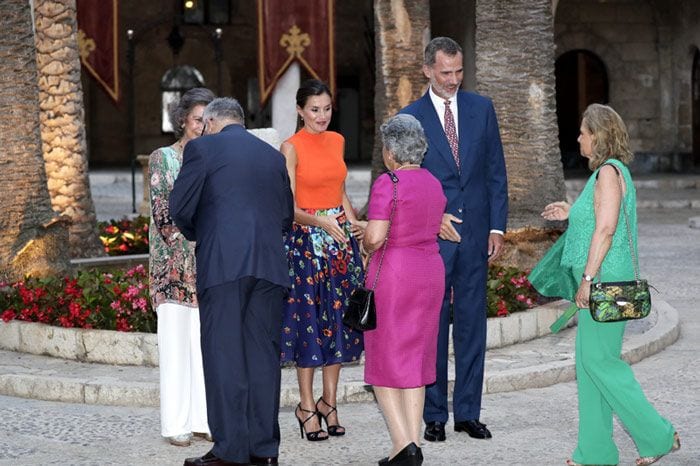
(402, 28)
(515, 67)
(32, 236)
(62, 122)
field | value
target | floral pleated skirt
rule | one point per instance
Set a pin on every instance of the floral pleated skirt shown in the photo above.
(323, 274)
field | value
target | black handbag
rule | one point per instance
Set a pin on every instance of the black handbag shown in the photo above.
(361, 313)
(626, 300)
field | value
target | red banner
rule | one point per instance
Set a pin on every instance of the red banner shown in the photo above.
(98, 44)
(290, 30)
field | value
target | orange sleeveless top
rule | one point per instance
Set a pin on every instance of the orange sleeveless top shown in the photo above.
(320, 171)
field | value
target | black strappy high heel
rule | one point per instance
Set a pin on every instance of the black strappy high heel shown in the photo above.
(332, 429)
(310, 436)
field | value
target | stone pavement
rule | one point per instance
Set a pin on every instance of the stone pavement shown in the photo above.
(534, 426)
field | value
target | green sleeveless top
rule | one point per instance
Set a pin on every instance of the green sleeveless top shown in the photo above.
(617, 264)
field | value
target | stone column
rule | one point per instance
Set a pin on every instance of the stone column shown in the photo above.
(515, 67)
(63, 123)
(284, 103)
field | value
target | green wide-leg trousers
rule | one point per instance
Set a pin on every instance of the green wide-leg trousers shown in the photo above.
(606, 385)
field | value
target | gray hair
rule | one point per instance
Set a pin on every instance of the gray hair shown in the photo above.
(224, 108)
(440, 44)
(403, 136)
(188, 101)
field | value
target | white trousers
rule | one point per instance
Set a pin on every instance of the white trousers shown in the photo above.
(183, 404)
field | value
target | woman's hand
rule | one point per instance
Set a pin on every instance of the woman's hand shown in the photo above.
(447, 231)
(556, 211)
(358, 229)
(330, 224)
(583, 294)
(170, 234)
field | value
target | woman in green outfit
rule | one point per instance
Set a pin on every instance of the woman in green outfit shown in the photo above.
(596, 244)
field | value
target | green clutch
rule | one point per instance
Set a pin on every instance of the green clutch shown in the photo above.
(616, 301)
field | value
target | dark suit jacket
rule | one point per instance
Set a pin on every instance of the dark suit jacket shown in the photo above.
(479, 194)
(232, 197)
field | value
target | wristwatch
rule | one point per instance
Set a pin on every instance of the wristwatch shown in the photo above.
(587, 278)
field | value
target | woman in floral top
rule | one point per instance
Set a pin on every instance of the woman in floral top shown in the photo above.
(183, 407)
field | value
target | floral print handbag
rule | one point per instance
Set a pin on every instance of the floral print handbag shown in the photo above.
(617, 301)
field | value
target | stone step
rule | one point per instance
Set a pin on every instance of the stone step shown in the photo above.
(660, 181)
(536, 363)
(653, 198)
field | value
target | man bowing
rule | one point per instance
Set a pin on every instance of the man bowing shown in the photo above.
(232, 197)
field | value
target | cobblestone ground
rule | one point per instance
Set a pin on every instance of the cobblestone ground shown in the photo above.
(530, 427)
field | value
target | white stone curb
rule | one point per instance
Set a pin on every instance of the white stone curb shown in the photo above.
(141, 349)
(100, 346)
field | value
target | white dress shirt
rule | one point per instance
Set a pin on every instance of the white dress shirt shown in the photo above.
(439, 104)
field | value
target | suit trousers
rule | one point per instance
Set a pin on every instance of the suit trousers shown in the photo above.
(466, 270)
(606, 385)
(241, 323)
(183, 404)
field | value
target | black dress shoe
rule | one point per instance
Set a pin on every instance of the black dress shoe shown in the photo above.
(211, 460)
(474, 428)
(261, 460)
(434, 432)
(411, 455)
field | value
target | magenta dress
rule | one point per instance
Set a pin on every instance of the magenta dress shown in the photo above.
(401, 351)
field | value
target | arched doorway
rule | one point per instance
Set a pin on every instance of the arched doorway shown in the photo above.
(175, 82)
(696, 108)
(581, 79)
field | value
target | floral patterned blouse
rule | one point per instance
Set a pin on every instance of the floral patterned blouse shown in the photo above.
(171, 260)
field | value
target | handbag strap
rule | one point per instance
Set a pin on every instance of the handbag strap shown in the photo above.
(635, 261)
(394, 182)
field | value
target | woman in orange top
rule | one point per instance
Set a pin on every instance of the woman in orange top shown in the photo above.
(325, 262)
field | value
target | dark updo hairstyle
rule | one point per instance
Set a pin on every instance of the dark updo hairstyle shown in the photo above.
(188, 101)
(310, 88)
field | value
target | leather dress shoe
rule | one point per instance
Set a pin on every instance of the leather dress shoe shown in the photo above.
(434, 432)
(261, 460)
(211, 460)
(474, 428)
(411, 455)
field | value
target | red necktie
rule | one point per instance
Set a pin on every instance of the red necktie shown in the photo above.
(451, 132)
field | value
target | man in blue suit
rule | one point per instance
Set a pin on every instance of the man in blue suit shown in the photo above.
(232, 197)
(465, 154)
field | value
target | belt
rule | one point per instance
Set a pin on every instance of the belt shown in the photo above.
(565, 317)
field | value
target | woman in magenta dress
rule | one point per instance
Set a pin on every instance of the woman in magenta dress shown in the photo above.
(400, 353)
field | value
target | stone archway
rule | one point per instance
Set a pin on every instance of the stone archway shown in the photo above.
(581, 79)
(696, 108)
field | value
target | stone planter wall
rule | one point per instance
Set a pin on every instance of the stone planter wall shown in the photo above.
(100, 346)
(141, 349)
